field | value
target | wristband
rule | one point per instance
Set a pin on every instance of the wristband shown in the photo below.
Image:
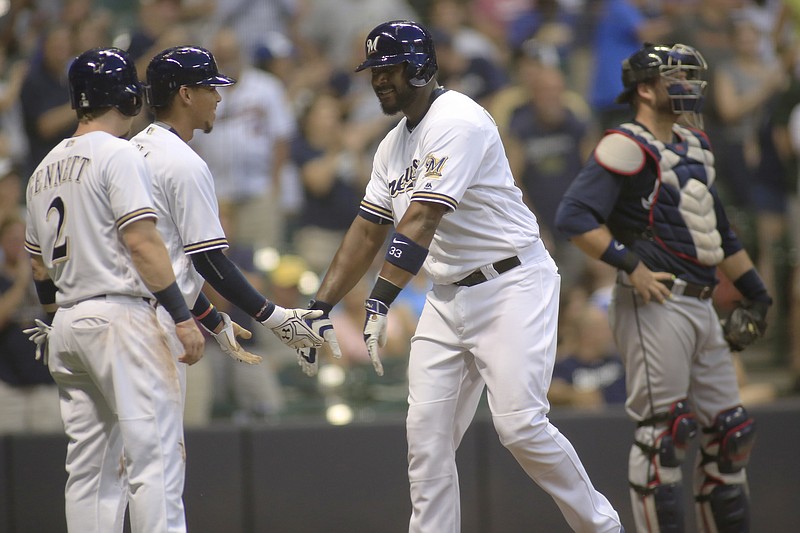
(384, 291)
(265, 312)
(617, 255)
(405, 253)
(205, 313)
(752, 287)
(46, 291)
(325, 307)
(172, 300)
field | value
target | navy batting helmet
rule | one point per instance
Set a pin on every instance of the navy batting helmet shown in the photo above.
(666, 61)
(105, 77)
(181, 66)
(402, 41)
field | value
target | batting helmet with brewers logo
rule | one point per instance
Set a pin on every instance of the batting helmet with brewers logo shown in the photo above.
(105, 77)
(180, 66)
(402, 41)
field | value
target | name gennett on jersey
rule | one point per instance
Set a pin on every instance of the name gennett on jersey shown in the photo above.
(67, 170)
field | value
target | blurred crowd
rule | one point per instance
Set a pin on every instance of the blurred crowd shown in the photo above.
(292, 148)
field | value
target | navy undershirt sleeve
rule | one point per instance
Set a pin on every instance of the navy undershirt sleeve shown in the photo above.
(588, 201)
(226, 278)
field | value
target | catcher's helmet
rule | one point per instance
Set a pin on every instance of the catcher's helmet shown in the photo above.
(654, 60)
(105, 77)
(181, 66)
(402, 41)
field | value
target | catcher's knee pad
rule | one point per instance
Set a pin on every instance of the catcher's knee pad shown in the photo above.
(671, 443)
(729, 507)
(733, 436)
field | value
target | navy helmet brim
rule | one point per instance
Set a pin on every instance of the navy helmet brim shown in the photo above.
(217, 81)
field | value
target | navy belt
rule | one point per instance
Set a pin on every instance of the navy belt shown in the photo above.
(477, 277)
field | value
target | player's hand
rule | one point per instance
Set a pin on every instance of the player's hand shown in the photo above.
(648, 283)
(291, 327)
(192, 341)
(39, 335)
(308, 358)
(375, 331)
(226, 338)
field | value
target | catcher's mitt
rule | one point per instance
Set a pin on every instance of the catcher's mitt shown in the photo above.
(745, 325)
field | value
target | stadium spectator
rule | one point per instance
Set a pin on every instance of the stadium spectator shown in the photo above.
(249, 146)
(47, 115)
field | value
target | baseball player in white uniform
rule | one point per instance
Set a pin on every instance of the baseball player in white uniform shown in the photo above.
(182, 92)
(99, 259)
(442, 178)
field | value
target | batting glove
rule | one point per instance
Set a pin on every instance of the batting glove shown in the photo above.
(375, 331)
(226, 339)
(291, 327)
(39, 335)
(308, 358)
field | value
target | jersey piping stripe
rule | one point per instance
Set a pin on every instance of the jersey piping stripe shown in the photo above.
(376, 210)
(35, 249)
(211, 244)
(147, 212)
(434, 197)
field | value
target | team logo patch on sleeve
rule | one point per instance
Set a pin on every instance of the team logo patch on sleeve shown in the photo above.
(433, 166)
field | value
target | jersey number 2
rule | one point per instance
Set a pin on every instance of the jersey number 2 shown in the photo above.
(60, 251)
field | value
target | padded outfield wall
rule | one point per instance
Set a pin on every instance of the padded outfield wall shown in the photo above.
(314, 478)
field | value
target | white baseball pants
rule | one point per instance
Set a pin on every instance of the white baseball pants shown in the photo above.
(121, 395)
(501, 334)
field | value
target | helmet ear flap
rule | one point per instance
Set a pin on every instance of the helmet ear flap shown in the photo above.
(420, 75)
(412, 74)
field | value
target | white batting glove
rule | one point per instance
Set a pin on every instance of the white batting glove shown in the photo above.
(39, 335)
(291, 327)
(308, 358)
(226, 339)
(375, 331)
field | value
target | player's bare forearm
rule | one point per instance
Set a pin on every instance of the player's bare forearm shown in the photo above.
(149, 254)
(418, 224)
(735, 265)
(594, 242)
(352, 260)
(39, 272)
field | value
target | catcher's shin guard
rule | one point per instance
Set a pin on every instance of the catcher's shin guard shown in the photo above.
(659, 509)
(729, 508)
(721, 484)
(654, 469)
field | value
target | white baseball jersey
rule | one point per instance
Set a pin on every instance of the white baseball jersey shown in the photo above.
(455, 157)
(183, 190)
(78, 199)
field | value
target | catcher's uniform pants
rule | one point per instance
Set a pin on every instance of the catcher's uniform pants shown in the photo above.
(672, 351)
(501, 334)
(121, 390)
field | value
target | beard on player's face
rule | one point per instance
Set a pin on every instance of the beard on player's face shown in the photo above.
(392, 89)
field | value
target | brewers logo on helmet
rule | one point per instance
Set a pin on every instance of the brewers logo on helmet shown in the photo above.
(402, 41)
